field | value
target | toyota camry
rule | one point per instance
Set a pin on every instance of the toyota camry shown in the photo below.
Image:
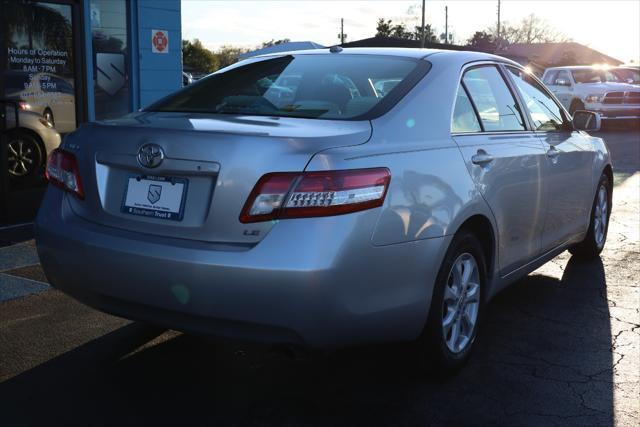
(327, 198)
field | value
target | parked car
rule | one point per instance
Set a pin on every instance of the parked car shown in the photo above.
(29, 145)
(328, 219)
(594, 89)
(48, 95)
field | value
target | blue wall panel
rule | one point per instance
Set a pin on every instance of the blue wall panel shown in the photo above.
(160, 73)
(153, 75)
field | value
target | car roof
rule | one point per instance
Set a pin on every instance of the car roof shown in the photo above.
(459, 55)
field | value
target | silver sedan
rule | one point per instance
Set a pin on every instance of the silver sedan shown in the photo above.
(289, 199)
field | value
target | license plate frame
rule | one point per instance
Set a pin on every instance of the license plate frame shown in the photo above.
(133, 204)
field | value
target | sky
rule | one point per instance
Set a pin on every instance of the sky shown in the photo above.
(609, 26)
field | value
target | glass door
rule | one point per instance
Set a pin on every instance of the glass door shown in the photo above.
(38, 75)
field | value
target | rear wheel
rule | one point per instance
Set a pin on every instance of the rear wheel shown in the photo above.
(596, 237)
(456, 306)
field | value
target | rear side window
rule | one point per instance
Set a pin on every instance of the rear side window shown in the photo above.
(464, 116)
(339, 86)
(546, 114)
(496, 105)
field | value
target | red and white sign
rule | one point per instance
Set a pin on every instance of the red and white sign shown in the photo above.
(159, 41)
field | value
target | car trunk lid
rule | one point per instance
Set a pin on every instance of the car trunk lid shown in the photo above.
(215, 160)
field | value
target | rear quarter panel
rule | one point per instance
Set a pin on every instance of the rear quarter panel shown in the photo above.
(431, 193)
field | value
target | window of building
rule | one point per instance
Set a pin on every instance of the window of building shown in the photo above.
(111, 58)
(40, 61)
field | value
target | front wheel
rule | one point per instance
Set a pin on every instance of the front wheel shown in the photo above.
(456, 305)
(596, 237)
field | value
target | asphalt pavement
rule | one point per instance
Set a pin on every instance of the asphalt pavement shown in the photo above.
(560, 347)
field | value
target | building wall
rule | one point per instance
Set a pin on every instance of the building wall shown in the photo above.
(152, 75)
(159, 74)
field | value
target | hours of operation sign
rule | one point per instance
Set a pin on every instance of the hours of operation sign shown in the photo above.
(159, 41)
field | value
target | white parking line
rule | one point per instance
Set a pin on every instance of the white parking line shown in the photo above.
(18, 255)
(12, 287)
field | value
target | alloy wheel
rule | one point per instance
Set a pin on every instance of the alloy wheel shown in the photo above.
(461, 303)
(601, 216)
(22, 158)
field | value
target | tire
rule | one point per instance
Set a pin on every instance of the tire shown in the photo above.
(48, 116)
(596, 237)
(25, 155)
(575, 106)
(441, 353)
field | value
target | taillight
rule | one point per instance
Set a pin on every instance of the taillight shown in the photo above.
(62, 171)
(309, 194)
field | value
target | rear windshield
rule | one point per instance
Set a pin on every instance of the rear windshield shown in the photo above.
(338, 86)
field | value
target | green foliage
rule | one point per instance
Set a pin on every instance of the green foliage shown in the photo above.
(483, 41)
(228, 55)
(195, 55)
(386, 28)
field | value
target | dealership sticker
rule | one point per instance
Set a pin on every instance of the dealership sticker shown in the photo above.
(160, 41)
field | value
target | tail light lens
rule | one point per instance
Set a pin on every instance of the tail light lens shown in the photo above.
(310, 194)
(62, 171)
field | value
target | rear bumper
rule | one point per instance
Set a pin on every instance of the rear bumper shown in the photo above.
(310, 282)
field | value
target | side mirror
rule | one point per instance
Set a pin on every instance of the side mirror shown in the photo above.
(8, 115)
(562, 82)
(586, 120)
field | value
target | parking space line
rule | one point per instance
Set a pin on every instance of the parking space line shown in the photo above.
(18, 255)
(12, 287)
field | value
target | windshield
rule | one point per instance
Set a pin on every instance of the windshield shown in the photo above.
(629, 75)
(337, 86)
(594, 76)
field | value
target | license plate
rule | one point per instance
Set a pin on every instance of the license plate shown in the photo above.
(156, 197)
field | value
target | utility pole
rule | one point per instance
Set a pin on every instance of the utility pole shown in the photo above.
(446, 25)
(423, 33)
(498, 27)
(342, 36)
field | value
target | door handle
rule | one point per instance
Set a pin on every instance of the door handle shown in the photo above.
(481, 158)
(553, 152)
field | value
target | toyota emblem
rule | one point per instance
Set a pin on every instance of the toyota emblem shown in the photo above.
(150, 155)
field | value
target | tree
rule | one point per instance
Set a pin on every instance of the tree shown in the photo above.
(273, 42)
(531, 29)
(196, 56)
(483, 42)
(228, 55)
(386, 28)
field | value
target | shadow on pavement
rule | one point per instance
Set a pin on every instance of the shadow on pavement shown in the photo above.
(544, 357)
